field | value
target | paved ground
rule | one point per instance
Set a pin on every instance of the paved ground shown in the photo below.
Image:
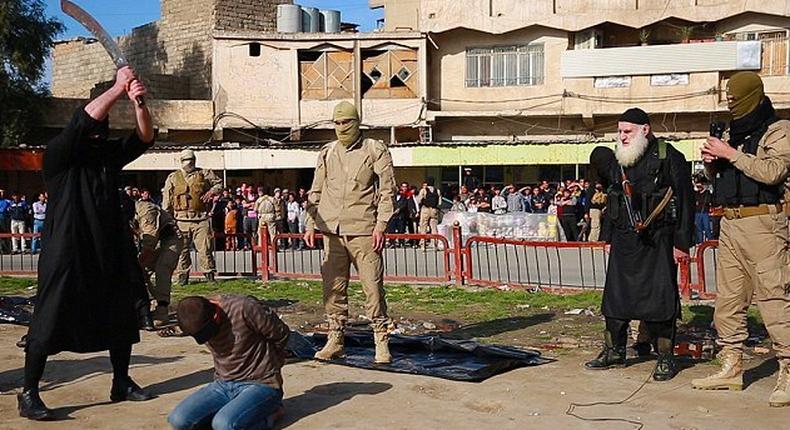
(320, 396)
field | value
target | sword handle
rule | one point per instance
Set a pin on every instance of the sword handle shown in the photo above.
(139, 100)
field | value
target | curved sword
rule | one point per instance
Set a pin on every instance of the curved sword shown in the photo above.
(90, 23)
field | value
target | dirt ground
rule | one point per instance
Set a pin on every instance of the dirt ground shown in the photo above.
(321, 396)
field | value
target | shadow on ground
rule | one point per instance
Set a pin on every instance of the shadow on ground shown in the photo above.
(498, 326)
(322, 397)
(763, 370)
(60, 372)
(181, 383)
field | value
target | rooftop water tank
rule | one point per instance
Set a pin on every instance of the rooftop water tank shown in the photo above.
(311, 20)
(289, 18)
(331, 20)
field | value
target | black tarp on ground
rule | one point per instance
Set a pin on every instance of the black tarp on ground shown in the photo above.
(457, 360)
(16, 310)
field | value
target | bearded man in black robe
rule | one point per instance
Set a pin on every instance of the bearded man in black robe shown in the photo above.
(649, 226)
(89, 281)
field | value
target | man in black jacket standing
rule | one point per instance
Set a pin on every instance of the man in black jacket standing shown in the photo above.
(649, 227)
(89, 281)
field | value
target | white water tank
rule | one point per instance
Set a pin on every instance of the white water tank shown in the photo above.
(289, 18)
(311, 20)
(331, 21)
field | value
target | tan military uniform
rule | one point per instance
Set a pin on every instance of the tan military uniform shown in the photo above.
(266, 208)
(595, 216)
(352, 195)
(429, 217)
(182, 196)
(160, 247)
(753, 255)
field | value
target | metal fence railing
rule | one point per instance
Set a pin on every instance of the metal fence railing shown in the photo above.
(420, 258)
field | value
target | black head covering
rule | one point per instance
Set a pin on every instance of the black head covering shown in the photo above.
(635, 116)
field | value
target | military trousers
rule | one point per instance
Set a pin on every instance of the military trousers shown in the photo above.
(752, 263)
(595, 225)
(271, 225)
(162, 265)
(429, 218)
(340, 252)
(201, 235)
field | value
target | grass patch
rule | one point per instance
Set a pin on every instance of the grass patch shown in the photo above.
(15, 286)
(469, 304)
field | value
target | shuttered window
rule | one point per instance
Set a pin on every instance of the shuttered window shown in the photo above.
(505, 66)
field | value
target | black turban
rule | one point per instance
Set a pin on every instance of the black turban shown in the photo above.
(635, 116)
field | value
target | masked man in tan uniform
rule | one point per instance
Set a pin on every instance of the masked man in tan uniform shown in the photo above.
(266, 208)
(749, 172)
(160, 247)
(188, 196)
(351, 202)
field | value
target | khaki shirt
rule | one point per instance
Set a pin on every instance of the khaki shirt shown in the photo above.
(353, 191)
(424, 193)
(265, 208)
(149, 221)
(771, 164)
(213, 184)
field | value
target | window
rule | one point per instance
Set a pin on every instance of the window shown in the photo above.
(505, 66)
(326, 75)
(390, 74)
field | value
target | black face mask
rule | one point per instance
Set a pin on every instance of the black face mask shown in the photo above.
(209, 330)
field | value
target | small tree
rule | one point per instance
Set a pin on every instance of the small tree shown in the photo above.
(26, 36)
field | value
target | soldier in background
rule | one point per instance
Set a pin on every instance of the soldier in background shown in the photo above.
(188, 196)
(160, 247)
(265, 205)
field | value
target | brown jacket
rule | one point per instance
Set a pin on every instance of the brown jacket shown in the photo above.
(353, 191)
(256, 351)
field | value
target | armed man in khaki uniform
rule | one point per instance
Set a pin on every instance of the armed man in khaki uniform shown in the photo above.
(265, 206)
(351, 202)
(188, 196)
(430, 199)
(160, 247)
(749, 172)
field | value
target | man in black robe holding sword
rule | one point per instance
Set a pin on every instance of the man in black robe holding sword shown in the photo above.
(88, 285)
(649, 226)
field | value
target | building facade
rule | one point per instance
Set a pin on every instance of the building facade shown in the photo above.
(516, 90)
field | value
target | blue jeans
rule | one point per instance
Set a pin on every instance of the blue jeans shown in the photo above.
(226, 405)
(38, 227)
(704, 230)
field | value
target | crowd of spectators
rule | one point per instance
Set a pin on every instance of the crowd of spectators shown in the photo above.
(238, 211)
(19, 216)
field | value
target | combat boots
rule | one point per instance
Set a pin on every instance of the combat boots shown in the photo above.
(729, 377)
(334, 346)
(666, 366)
(383, 356)
(781, 395)
(610, 356)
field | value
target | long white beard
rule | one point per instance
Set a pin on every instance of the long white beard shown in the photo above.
(627, 156)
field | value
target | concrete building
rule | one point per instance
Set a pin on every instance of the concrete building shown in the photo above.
(515, 90)
(509, 75)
